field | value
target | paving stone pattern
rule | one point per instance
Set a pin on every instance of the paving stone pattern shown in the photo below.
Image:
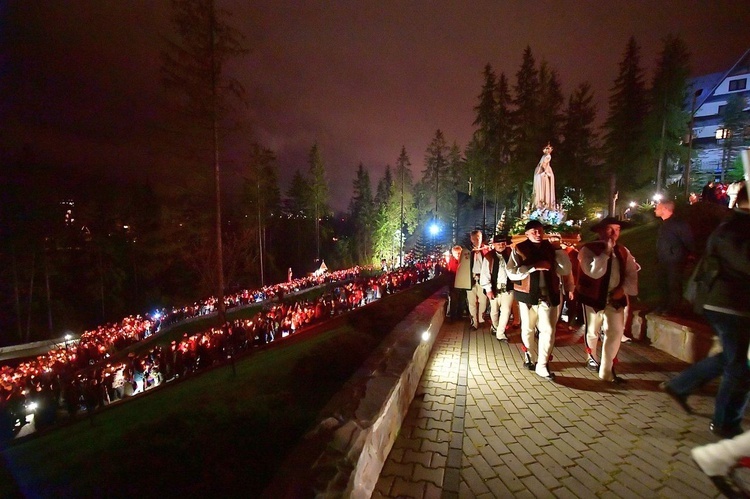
(483, 426)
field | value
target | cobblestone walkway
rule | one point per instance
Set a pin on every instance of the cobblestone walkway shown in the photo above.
(481, 425)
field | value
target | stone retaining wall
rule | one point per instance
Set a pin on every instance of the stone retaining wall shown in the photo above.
(344, 454)
(688, 340)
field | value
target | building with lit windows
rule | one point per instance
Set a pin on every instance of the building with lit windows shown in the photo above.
(718, 136)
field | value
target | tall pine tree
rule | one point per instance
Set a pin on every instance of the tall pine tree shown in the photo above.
(624, 128)
(526, 123)
(194, 68)
(438, 177)
(576, 172)
(404, 192)
(318, 197)
(667, 116)
(362, 213)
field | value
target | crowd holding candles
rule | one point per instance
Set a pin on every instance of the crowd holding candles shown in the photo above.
(84, 374)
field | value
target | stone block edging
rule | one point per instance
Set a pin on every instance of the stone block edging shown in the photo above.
(343, 455)
(689, 341)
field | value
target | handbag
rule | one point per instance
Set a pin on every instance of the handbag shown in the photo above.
(700, 282)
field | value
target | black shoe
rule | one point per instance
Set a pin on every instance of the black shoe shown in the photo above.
(527, 362)
(726, 486)
(618, 380)
(677, 397)
(502, 340)
(724, 432)
(493, 331)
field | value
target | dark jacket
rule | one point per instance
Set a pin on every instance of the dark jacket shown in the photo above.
(730, 244)
(674, 241)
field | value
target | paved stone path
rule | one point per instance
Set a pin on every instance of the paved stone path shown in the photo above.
(483, 426)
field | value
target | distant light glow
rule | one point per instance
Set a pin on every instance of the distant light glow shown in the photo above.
(426, 336)
(657, 197)
(632, 204)
(434, 229)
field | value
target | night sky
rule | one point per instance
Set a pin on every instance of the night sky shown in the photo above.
(81, 84)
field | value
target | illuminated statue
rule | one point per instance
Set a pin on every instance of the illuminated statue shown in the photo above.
(544, 182)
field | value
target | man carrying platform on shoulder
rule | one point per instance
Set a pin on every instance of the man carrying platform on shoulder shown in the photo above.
(608, 274)
(498, 288)
(536, 266)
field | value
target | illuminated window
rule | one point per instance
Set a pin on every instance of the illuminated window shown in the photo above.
(738, 84)
(723, 133)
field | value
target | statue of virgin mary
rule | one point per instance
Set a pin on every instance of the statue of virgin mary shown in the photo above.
(544, 182)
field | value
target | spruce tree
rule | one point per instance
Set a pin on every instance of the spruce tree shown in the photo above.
(362, 213)
(576, 172)
(385, 237)
(318, 196)
(194, 69)
(734, 123)
(667, 116)
(624, 128)
(404, 193)
(550, 107)
(526, 123)
(437, 177)
(486, 119)
(296, 207)
(261, 205)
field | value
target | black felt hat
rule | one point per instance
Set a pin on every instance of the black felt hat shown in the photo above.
(609, 221)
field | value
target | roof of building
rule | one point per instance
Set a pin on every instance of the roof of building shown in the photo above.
(706, 84)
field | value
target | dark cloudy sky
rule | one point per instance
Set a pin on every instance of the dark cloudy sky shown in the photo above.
(81, 85)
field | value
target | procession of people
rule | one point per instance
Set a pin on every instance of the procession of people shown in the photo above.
(510, 286)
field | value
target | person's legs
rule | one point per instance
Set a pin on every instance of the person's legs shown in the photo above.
(697, 375)
(593, 321)
(471, 298)
(612, 340)
(528, 327)
(731, 399)
(506, 301)
(547, 321)
(717, 459)
(482, 298)
(453, 311)
(516, 313)
(674, 285)
(495, 311)
(662, 281)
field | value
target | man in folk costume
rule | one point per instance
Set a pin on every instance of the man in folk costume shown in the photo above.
(536, 266)
(498, 288)
(608, 274)
(475, 295)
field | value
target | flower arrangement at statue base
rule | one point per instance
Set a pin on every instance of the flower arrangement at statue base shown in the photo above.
(553, 219)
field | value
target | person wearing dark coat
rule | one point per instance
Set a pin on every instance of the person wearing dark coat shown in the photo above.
(674, 244)
(727, 310)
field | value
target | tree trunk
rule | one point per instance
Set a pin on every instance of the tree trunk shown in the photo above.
(17, 293)
(31, 297)
(49, 295)
(101, 284)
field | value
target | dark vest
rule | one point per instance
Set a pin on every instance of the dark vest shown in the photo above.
(527, 290)
(594, 292)
(495, 269)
